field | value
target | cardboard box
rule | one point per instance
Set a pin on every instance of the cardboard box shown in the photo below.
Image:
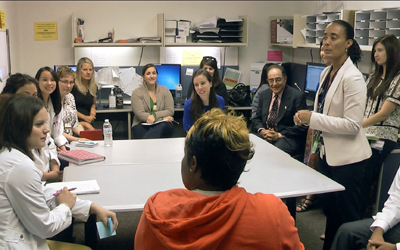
(282, 31)
(171, 32)
(181, 39)
(170, 39)
(183, 27)
(170, 24)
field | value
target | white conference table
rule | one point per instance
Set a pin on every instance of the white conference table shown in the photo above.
(138, 151)
(126, 186)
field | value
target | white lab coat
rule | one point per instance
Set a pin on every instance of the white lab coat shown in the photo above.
(44, 155)
(56, 126)
(28, 211)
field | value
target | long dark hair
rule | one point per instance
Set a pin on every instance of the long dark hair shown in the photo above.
(17, 81)
(55, 97)
(392, 47)
(17, 113)
(197, 106)
(212, 62)
(354, 51)
(264, 74)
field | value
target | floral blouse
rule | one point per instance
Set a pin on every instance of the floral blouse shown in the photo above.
(389, 128)
(70, 115)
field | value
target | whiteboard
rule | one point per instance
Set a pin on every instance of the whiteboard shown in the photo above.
(4, 55)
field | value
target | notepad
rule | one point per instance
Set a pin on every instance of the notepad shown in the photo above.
(82, 187)
(80, 156)
(154, 123)
(105, 232)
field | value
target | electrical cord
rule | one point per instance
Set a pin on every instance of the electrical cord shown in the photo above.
(223, 65)
(141, 55)
(312, 58)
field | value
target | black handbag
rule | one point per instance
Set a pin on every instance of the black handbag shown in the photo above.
(239, 96)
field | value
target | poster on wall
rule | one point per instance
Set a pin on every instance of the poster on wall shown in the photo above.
(45, 31)
(190, 56)
(2, 19)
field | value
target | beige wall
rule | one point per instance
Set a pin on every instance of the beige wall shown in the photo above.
(138, 18)
(131, 19)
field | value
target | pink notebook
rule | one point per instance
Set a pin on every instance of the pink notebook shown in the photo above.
(80, 156)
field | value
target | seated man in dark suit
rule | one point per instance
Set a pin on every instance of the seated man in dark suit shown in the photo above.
(274, 116)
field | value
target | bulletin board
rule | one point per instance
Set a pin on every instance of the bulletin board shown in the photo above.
(5, 65)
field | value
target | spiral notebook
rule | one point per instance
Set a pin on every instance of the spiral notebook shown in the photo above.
(80, 156)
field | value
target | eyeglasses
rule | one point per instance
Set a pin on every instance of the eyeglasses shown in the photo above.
(67, 82)
(278, 80)
(209, 58)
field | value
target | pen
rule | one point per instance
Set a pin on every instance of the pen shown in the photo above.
(69, 189)
(175, 121)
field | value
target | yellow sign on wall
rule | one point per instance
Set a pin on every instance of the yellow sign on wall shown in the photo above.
(45, 31)
(2, 19)
(192, 57)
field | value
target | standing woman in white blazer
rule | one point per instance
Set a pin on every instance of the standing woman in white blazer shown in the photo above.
(337, 119)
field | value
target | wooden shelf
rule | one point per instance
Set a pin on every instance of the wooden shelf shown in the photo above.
(191, 44)
(312, 46)
(290, 45)
(115, 44)
(366, 48)
(161, 33)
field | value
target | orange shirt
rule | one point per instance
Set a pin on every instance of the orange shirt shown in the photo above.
(235, 219)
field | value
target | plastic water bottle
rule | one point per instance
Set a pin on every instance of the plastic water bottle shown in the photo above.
(178, 95)
(112, 101)
(107, 132)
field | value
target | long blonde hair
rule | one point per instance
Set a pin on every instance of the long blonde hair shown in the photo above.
(78, 81)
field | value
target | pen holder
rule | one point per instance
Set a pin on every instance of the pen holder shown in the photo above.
(81, 32)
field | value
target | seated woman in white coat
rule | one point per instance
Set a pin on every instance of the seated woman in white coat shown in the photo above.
(29, 212)
(45, 157)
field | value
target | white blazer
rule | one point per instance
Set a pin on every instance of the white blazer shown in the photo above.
(341, 121)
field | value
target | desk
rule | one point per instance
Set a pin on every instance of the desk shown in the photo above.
(270, 171)
(128, 110)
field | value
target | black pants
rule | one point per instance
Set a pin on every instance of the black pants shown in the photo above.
(159, 130)
(292, 146)
(355, 235)
(372, 172)
(343, 206)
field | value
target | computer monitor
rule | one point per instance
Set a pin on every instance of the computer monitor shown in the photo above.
(313, 73)
(73, 67)
(169, 75)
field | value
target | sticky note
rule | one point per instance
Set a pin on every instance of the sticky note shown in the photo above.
(105, 231)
